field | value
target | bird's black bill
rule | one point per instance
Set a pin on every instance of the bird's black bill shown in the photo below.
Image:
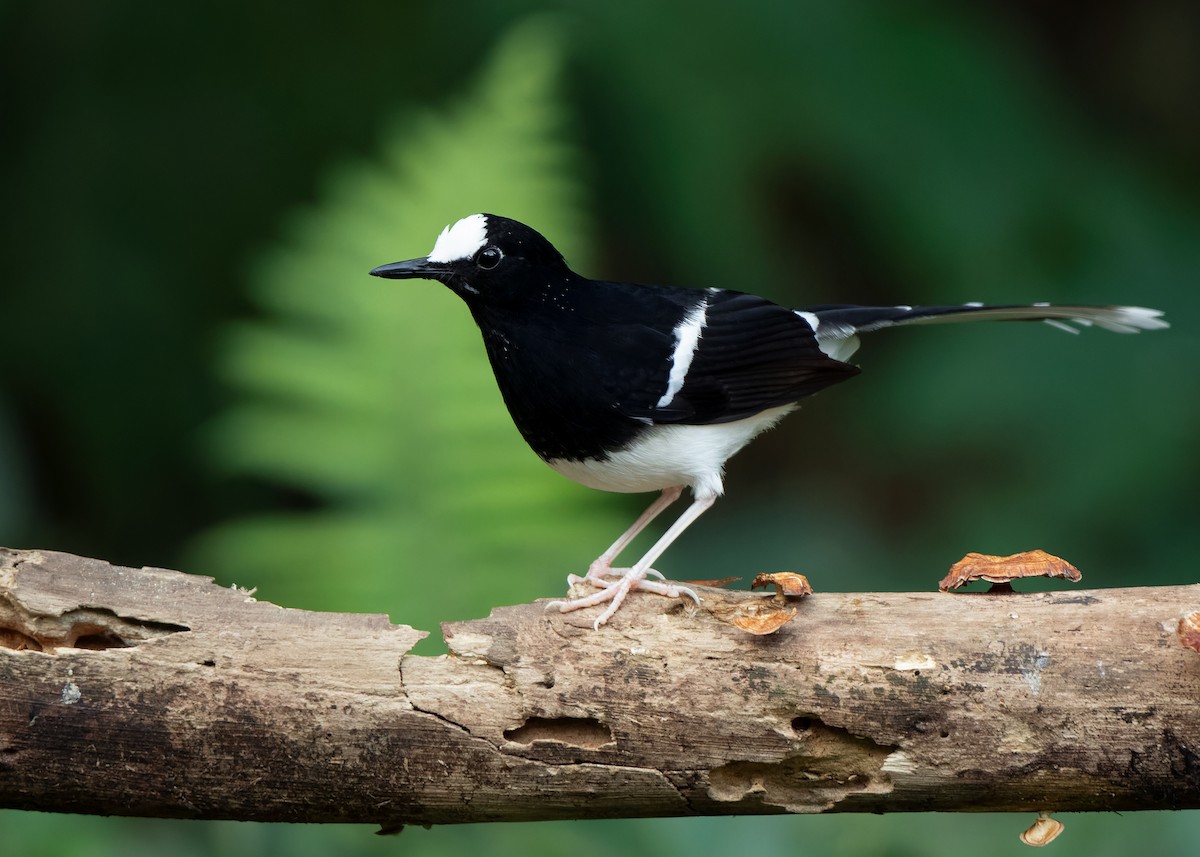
(413, 269)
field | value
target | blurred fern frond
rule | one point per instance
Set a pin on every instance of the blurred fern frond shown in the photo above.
(375, 397)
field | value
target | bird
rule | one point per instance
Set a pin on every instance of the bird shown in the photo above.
(638, 388)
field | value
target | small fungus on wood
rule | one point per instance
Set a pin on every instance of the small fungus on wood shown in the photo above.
(761, 618)
(1043, 831)
(787, 584)
(767, 615)
(1000, 571)
(764, 614)
(1189, 630)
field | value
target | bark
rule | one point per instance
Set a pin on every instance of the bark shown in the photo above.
(155, 693)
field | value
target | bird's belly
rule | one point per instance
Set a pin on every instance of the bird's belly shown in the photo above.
(667, 455)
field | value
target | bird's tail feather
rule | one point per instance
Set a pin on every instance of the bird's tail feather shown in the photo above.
(837, 325)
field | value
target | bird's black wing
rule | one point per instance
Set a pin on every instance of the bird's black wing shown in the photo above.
(752, 355)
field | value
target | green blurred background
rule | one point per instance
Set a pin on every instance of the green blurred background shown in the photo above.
(196, 371)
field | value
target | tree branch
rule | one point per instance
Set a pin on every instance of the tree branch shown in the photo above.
(154, 693)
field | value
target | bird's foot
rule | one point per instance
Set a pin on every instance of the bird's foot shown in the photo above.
(614, 590)
(599, 571)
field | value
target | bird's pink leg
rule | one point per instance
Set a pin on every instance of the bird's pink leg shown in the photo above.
(635, 578)
(603, 565)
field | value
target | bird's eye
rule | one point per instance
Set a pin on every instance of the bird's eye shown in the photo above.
(488, 258)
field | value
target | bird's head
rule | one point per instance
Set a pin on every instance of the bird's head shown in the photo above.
(485, 259)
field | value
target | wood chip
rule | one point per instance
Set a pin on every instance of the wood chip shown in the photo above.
(719, 583)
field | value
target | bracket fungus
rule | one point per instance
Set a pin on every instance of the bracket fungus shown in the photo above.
(766, 615)
(787, 584)
(1043, 831)
(1000, 571)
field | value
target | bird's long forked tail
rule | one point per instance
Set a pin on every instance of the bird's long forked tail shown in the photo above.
(837, 325)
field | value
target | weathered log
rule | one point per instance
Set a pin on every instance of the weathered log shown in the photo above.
(155, 693)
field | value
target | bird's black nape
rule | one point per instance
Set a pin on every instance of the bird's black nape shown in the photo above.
(517, 239)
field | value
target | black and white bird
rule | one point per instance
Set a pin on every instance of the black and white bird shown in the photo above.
(637, 388)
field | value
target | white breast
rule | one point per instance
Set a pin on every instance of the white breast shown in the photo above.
(667, 455)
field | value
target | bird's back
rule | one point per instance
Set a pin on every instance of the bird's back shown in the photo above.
(584, 365)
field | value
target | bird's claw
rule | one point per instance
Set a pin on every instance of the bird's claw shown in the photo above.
(614, 590)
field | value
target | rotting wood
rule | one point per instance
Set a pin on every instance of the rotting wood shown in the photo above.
(155, 693)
